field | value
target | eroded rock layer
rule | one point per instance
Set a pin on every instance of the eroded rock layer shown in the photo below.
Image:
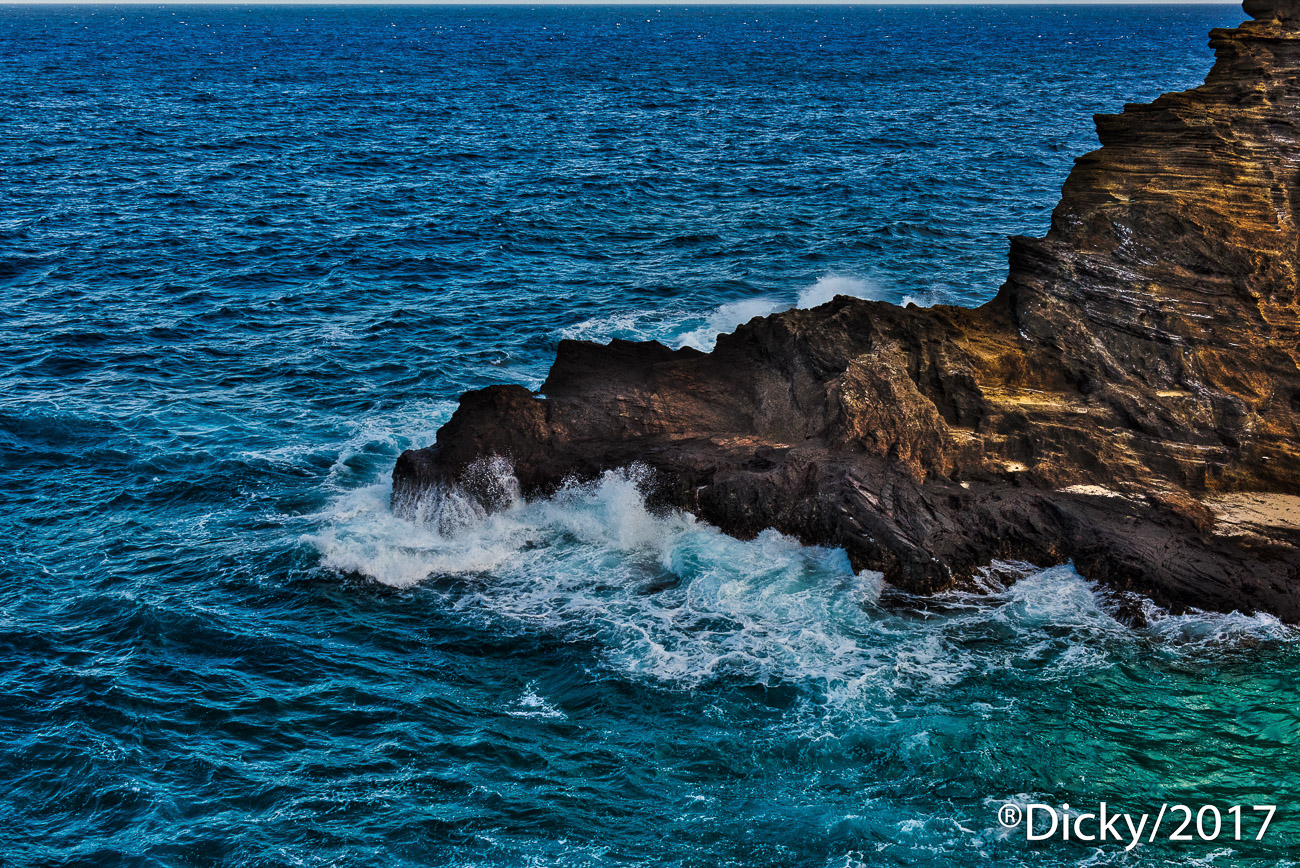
(1134, 379)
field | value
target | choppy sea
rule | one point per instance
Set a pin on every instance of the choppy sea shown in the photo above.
(249, 254)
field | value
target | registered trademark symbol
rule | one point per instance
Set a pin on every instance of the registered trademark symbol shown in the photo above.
(1009, 815)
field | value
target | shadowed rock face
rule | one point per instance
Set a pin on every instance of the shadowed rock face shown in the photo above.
(1130, 399)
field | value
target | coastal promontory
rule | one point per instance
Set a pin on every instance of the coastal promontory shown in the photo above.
(1129, 401)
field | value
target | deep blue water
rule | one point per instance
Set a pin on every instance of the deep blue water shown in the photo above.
(247, 255)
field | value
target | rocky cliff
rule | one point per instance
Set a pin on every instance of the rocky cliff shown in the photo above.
(1130, 399)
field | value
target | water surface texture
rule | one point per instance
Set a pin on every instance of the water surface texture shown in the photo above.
(247, 255)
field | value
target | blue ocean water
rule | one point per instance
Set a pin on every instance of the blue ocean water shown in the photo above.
(249, 254)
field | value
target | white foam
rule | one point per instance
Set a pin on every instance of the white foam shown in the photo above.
(644, 325)
(672, 600)
(678, 328)
(363, 536)
(831, 285)
(533, 704)
(1197, 629)
(726, 319)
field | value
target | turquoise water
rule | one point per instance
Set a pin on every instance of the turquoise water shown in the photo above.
(250, 254)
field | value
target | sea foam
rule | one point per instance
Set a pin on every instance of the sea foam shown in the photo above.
(670, 599)
(678, 328)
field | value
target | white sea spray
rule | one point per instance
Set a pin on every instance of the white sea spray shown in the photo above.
(682, 328)
(672, 600)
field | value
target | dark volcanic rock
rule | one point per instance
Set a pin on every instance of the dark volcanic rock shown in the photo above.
(1130, 399)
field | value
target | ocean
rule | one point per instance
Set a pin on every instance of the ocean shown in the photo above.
(249, 254)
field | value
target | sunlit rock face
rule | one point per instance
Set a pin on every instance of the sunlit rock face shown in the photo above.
(1130, 399)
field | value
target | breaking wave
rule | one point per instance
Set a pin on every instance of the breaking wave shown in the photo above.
(669, 599)
(700, 331)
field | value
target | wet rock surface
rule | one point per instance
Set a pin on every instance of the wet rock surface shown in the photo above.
(1136, 373)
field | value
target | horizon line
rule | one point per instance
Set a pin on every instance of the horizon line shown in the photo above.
(643, 4)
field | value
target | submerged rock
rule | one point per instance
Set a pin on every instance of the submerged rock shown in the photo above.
(1129, 400)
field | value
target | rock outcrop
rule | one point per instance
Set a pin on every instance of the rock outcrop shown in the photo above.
(1129, 400)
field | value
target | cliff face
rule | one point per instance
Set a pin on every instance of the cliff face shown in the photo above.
(1166, 288)
(1129, 400)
